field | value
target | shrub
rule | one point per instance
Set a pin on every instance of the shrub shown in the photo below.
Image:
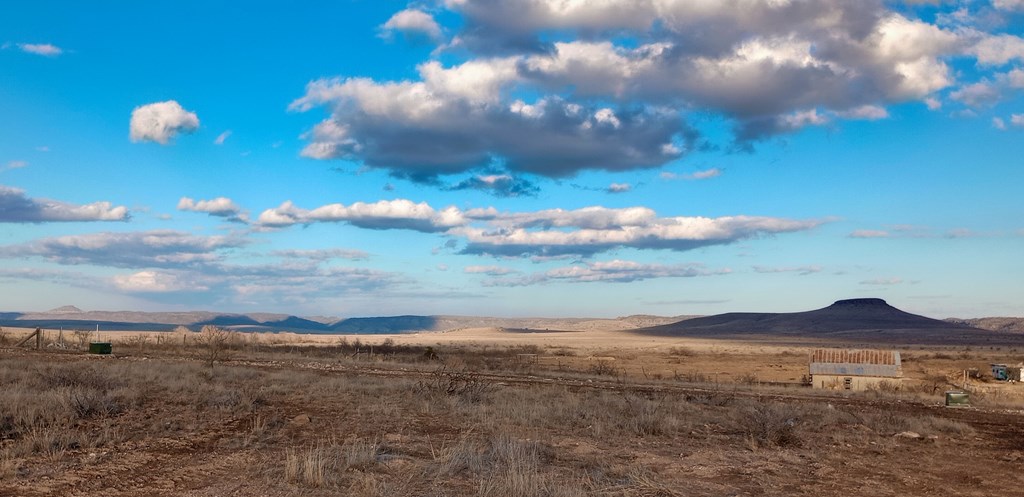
(603, 368)
(769, 424)
(466, 385)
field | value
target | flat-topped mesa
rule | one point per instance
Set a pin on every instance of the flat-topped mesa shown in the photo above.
(871, 302)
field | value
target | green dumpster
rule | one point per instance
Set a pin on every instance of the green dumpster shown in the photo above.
(103, 348)
(958, 399)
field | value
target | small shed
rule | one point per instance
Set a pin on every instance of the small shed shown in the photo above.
(1002, 372)
(843, 369)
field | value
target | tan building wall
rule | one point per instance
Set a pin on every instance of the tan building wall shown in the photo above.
(859, 383)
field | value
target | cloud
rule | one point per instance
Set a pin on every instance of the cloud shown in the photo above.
(381, 215)
(16, 164)
(321, 255)
(499, 185)
(553, 88)
(454, 121)
(619, 188)
(489, 270)
(221, 138)
(15, 207)
(801, 270)
(413, 22)
(998, 49)
(615, 271)
(882, 281)
(544, 233)
(218, 207)
(59, 276)
(998, 123)
(284, 283)
(143, 249)
(1015, 78)
(1008, 4)
(865, 112)
(154, 281)
(961, 233)
(1017, 120)
(869, 234)
(44, 49)
(588, 231)
(191, 268)
(714, 172)
(594, 217)
(981, 94)
(160, 122)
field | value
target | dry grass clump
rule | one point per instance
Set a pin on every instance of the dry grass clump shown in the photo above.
(502, 465)
(889, 423)
(325, 462)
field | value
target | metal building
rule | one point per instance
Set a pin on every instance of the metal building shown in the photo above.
(840, 369)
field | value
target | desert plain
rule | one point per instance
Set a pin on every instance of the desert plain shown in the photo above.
(495, 412)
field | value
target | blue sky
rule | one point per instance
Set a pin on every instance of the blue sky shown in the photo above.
(495, 157)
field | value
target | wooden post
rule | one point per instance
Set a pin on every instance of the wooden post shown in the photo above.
(26, 339)
(39, 338)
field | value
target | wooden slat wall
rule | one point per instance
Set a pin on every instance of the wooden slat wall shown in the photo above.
(840, 356)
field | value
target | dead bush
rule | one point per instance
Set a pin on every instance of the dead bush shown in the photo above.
(466, 385)
(681, 352)
(214, 343)
(768, 424)
(603, 368)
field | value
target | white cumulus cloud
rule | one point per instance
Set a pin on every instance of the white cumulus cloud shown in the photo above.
(415, 22)
(384, 214)
(160, 122)
(219, 207)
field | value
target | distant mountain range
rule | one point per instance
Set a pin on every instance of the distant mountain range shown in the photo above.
(71, 317)
(868, 319)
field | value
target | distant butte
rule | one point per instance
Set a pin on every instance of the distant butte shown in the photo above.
(868, 319)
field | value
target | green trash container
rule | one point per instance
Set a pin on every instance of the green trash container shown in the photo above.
(958, 399)
(103, 348)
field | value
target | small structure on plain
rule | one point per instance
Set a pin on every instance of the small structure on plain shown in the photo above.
(842, 369)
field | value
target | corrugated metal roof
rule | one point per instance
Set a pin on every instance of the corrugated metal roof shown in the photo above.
(842, 362)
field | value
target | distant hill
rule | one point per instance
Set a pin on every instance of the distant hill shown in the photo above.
(67, 309)
(229, 320)
(1008, 325)
(850, 320)
(71, 317)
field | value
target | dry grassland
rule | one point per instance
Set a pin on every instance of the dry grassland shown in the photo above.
(485, 413)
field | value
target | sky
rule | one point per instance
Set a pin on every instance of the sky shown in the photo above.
(512, 158)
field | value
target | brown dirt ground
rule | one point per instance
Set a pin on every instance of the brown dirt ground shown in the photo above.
(214, 458)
